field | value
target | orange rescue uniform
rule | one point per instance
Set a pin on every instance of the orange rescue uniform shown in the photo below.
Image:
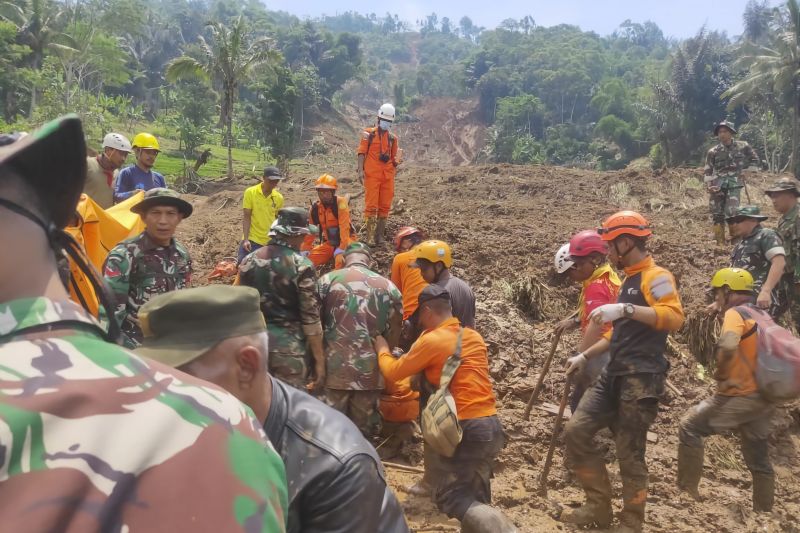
(334, 226)
(409, 280)
(735, 374)
(471, 387)
(378, 175)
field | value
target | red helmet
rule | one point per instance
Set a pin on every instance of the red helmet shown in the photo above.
(587, 242)
(402, 233)
(624, 223)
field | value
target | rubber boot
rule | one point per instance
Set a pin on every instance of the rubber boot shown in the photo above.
(369, 229)
(597, 509)
(690, 469)
(381, 228)
(482, 518)
(763, 492)
(719, 233)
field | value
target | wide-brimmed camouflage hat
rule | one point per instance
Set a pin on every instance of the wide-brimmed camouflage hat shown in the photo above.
(163, 196)
(179, 326)
(747, 211)
(784, 185)
(292, 221)
(53, 161)
(725, 124)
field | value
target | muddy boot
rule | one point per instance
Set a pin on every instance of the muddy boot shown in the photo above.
(421, 488)
(597, 509)
(369, 229)
(627, 524)
(690, 469)
(381, 228)
(482, 518)
(763, 492)
(719, 234)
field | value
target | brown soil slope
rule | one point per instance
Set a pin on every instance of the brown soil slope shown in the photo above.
(504, 224)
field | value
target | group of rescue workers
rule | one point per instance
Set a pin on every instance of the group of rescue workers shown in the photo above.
(100, 437)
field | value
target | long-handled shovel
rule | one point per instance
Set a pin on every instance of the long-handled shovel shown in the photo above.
(539, 382)
(556, 428)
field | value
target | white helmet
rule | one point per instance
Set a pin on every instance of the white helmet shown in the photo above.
(563, 260)
(386, 112)
(117, 141)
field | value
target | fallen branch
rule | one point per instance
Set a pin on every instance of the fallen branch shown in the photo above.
(404, 468)
(674, 389)
(223, 204)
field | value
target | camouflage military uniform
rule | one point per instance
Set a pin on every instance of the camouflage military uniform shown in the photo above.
(724, 165)
(751, 254)
(789, 231)
(138, 269)
(287, 283)
(357, 305)
(98, 439)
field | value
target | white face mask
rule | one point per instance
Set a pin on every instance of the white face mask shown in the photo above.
(385, 125)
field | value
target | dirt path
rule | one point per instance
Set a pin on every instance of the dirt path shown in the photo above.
(504, 224)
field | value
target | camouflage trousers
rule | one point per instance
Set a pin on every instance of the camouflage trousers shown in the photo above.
(360, 406)
(723, 203)
(792, 292)
(289, 358)
(465, 478)
(748, 415)
(628, 405)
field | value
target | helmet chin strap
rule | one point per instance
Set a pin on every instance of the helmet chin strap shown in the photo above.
(621, 255)
(59, 239)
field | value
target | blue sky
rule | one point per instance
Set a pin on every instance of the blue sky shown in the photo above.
(676, 18)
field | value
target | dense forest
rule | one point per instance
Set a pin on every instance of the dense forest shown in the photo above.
(234, 73)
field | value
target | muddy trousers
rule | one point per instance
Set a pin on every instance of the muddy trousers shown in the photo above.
(465, 478)
(750, 416)
(724, 203)
(628, 405)
(585, 378)
(360, 406)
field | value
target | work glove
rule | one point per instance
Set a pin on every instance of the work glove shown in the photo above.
(576, 363)
(606, 313)
(337, 251)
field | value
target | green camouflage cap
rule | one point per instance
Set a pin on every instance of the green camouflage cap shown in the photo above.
(358, 248)
(725, 124)
(179, 326)
(749, 211)
(53, 161)
(292, 221)
(163, 196)
(784, 184)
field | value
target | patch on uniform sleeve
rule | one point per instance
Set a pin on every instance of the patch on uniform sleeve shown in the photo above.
(661, 287)
(772, 252)
(365, 135)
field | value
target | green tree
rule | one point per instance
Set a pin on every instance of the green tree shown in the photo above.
(229, 59)
(775, 68)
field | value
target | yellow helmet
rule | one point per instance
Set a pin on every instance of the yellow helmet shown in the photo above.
(736, 279)
(146, 140)
(435, 251)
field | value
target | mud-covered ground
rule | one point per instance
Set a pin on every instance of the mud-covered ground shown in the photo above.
(504, 224)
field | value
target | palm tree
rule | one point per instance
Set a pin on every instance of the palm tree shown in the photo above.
(36, 22)
(775, 68)
(228, 59)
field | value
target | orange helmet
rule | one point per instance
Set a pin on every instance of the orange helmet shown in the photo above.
(326, 181)
(624, 223)
(402, 233)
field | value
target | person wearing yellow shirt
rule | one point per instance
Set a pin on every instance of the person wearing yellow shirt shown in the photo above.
(260, 206)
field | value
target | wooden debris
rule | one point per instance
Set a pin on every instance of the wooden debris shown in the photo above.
(404, 468)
